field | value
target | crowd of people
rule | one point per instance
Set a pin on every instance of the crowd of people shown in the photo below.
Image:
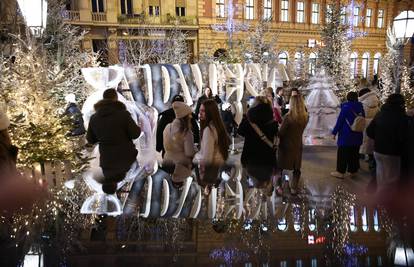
(382, 135)
(272, 133)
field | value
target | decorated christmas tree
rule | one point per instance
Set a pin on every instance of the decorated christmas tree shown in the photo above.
(335, 53)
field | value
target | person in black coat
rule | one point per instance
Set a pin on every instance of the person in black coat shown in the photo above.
(113, 128)
(255, 150)
(74, 113)
(165, 118)
(207, 95)
(228, 118)
(388, 129)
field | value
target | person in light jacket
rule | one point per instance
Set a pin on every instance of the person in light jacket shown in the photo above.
(214, 139)
(371, 105)
(179, 142)
(291, 135)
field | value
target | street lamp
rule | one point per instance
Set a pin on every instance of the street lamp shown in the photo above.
(403, 29)
(35, 15)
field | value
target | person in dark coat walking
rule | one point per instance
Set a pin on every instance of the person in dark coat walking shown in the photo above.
(280, 100)
(73, 111)
(208, 94)
(389, 129)
(113, 128)
(228, 118)
(259, 152)
(349, 141)
(165, 118)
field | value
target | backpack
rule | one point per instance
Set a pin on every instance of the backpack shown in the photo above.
(359, 123)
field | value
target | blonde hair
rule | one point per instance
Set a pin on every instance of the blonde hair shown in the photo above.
(261, 100)
(297, 109)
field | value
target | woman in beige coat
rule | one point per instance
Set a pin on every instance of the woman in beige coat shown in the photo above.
(179, 142)
(290, 144)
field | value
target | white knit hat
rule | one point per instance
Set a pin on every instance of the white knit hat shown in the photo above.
(181, 109)
(4, 120)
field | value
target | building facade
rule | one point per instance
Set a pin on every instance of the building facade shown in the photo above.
(297, 24)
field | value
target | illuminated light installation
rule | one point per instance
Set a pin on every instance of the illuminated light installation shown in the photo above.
(231, 26)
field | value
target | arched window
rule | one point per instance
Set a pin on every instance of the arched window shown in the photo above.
(298, 63)
(352, 219)
(312, 219)
(377, 58)
(282, 224)
(354, 60)
(365, 65)
(296, 217)
(312, 63)
(376, 221)
(364, 218)
(283, 58)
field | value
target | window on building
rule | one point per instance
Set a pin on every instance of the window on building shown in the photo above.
(249, 9)
(380, 22)
(180, 11)
(154, 11)
(312, 63)
(312, 219)
(284, 10)
(328, 13)
(298, 64)
(368, 17)
(377, 58)
(365, 64)
(355, 18)
(315, 13)
(220, 12)
(282, 224)
(314, 262)
(343, 15)
(126, 7)
(352, 220)
(364, 217)
(267, 9)
(98, 6)
(376, 221)
(283, 58)
(300, 12)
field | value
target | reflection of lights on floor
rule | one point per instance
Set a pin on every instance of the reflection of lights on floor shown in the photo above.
(404, 256)
(33, 259)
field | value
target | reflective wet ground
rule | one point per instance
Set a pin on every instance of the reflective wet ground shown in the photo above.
(224, 216)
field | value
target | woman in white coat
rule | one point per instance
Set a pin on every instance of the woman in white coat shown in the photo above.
(179, 142)
(371, 104)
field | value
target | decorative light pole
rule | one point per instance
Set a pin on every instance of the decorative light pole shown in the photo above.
(35, 15)
(403, 29)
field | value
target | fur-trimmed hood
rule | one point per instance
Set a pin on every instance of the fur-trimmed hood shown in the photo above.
(370, 100)
(107, 106)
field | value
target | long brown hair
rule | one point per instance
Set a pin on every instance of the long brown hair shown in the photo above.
(212, 116)
(5, 138)
(297, 111)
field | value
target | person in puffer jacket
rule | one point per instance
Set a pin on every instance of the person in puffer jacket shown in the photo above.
(348, 140)
(371, 104)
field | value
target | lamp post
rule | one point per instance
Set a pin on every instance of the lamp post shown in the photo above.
(403, 28)
(35, 15)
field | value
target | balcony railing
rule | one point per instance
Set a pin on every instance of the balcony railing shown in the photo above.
(98, 16)
(163, 20)
(71, 15)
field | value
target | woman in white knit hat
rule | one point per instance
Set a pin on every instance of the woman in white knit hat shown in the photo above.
(8, 152)
(179, 142)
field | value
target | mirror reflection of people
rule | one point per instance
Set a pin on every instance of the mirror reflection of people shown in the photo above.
(281, 100)
(113, 128)
(208, 94)
(214, 139)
